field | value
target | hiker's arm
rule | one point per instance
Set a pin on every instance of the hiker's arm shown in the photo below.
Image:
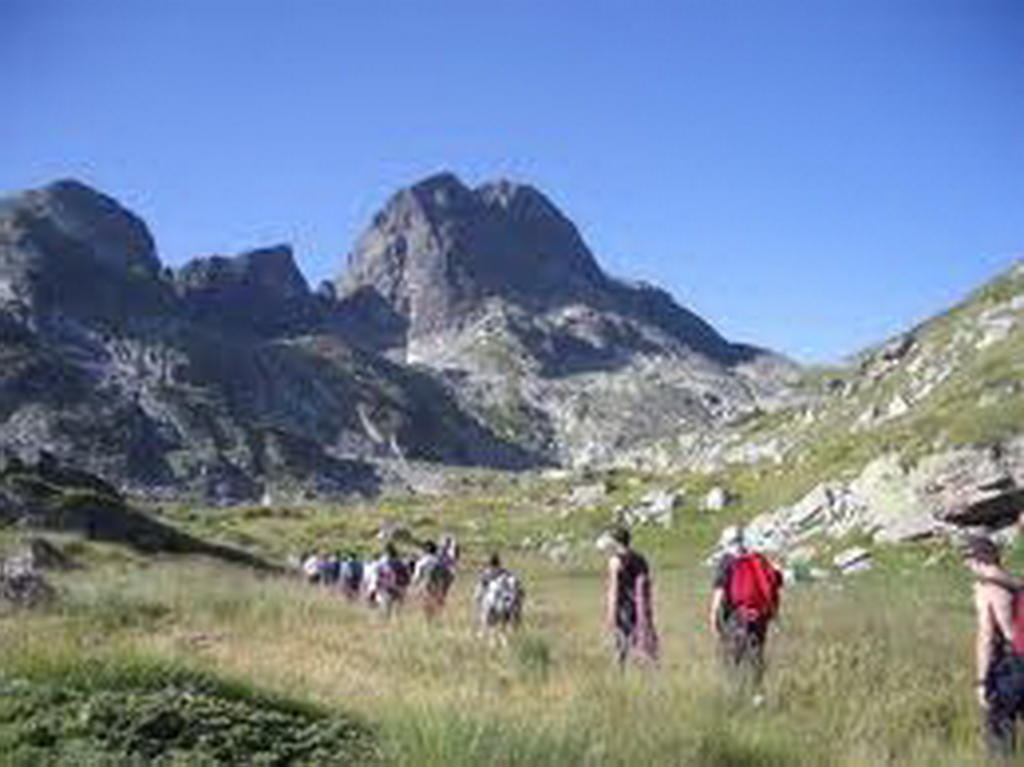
(1001, 601)
(982, 641)
(717, 598)
(613, 589)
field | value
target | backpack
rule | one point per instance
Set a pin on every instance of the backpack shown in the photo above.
(1018, 622)
(388, 577)
(503, 595)
(351, 573)
(436, 575)
(754, 587)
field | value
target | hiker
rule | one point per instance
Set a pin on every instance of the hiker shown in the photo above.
(744, 600)
(311, 568)
(450, 551)
(390, 579)
(431, 579)
(499, 598)
(629, 604)
(330, 569)
(350, 575)
(999, 645)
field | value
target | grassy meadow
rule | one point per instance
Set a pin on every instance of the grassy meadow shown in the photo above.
(874, 669)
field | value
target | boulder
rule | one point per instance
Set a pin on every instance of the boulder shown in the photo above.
(970, 486)
(657, 507)
(40, 554)
(716, 499)
(261, 291)
(851, 558)
(589, 495)
(893, 511)
(21, 583)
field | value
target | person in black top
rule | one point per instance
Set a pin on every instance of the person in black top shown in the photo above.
(626, 570)
(1000, 671)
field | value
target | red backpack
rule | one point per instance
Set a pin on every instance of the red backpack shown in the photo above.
(754, 587)
(1018, 622)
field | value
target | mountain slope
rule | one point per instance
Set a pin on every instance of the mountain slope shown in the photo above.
(224, 378)
(494, 289)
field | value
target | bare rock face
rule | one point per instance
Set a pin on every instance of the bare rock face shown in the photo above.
(494, 289)
(443, 257)
(223, 379)
(112, 235)
(438, 249)
(261, 291)
(68, 248)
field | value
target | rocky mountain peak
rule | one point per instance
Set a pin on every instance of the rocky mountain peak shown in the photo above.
(261, 290)
(116, 237)
(67, 249)
(438, 250)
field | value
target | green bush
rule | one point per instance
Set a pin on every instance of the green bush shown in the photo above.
(165, 717)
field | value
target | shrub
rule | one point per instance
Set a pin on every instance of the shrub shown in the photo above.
(187, 719)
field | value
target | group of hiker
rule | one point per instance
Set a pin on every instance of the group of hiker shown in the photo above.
(745, 599)
(385, 581)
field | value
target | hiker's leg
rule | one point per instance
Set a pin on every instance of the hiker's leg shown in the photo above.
(757, 634)
(622, 642)
(1002, 692)
(734, 647)
(999, 726)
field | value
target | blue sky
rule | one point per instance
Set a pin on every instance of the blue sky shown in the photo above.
(811, 176)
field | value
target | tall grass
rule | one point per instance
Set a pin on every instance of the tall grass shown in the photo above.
(873, 671)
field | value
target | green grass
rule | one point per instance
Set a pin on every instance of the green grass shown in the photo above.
(872, 670)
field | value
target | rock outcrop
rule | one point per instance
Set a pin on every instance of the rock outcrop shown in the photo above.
(495, 290)
(222, 379)
(978, 489)
(262, 292)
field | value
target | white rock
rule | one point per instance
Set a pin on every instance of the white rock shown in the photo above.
(588, 495)
(910, 527)
(857, 567)
(559, 552)
(897, 407)
(847, 558)
(995, 330)
(716, 499)
(801, 555)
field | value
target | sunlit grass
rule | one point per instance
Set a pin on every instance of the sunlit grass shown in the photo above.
(863, 672)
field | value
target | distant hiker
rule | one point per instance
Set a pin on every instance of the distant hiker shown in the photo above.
(350, 575)
(330, 569)
(311, 567)
(391, 578)
(999, 645)
(431, 579)
(629, 603)
(499, 599)
(450, 551)
(744, 600)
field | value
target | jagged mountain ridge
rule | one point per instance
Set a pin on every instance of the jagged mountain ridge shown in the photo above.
(223, 376)
(438, 252)
(229, 375)
(495, 290)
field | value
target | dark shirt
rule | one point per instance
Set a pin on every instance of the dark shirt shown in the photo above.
(632, 566)
(723, 571)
